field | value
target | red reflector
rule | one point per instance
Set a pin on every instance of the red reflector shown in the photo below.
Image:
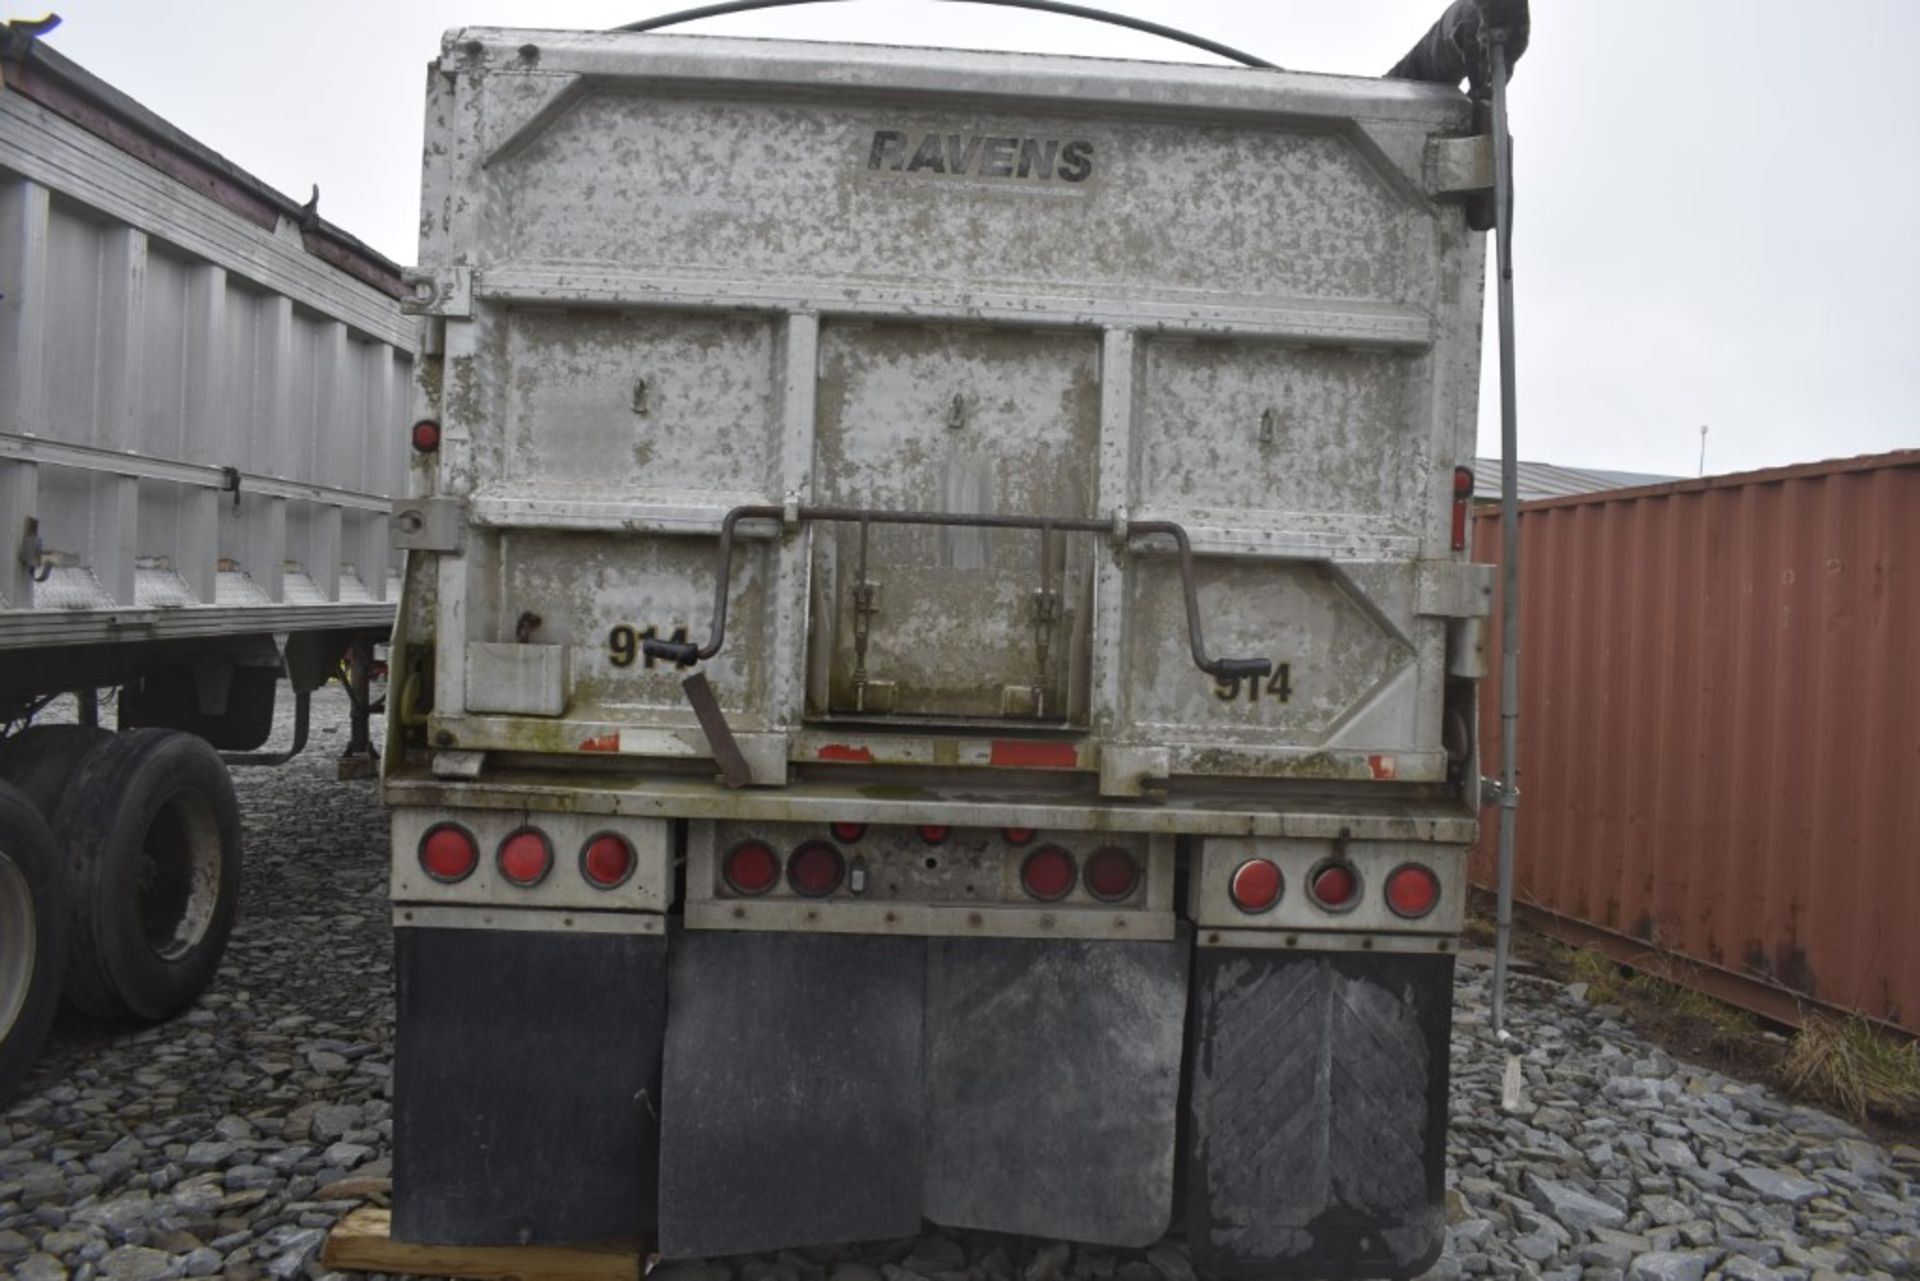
(1020, 835)
(815, 869)
(1048, 873)
(1462, 497)
(1412, 890)
(1335, 886)
(526, 857)
(607, 861)
(448, 853)
(848, 833)
(1256, 885)
(1112, 874)
(934, 835)
(426, 435)
(750, 868)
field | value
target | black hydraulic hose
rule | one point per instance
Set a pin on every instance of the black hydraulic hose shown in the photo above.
(1039, 6)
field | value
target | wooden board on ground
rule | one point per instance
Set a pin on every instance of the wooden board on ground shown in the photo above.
(363, 1242)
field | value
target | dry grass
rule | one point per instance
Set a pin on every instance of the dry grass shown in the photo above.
(1716, 1025)
(1855, 1066)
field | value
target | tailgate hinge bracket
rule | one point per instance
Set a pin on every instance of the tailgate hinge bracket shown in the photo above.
(446, 292)
(427, 524)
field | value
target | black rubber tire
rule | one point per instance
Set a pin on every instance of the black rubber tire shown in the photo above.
(39, 758)
(29, 859)
(152, 833)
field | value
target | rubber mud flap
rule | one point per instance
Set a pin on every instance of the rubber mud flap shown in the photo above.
(793, 1091)
(1053, 1081)
(526, 1085)
(1317, 1113)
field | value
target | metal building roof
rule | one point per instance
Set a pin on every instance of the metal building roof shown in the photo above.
(1549, 480)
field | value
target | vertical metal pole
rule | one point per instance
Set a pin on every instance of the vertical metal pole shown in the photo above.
(1509, 797)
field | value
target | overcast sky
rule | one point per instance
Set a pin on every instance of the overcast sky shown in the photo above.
(1719, 203)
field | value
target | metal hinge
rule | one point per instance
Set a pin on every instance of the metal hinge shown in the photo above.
(1453, 589)
(427, 524)
(438, 291)
(1459, 165)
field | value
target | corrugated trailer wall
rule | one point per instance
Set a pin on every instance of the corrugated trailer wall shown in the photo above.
(1720, 731)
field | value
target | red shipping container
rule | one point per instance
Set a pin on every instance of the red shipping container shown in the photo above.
(1720, 731)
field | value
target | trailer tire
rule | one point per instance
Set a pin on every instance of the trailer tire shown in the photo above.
(33, 934)
(152, 830)
(39, 759)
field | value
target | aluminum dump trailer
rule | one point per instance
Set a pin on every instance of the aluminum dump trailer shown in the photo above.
(203, 397)
(937, 663)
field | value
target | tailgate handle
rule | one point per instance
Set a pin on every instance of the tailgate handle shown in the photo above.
(680, 653)
(1046, 526)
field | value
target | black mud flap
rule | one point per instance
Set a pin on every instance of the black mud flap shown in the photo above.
(1053, 1080)
(792, 1091)
(526, 1085)
(1317, 1113)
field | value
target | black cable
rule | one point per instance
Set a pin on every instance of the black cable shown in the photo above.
(1039, 6)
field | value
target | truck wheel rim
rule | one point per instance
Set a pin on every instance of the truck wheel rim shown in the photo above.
(179, 876)
(17, 942)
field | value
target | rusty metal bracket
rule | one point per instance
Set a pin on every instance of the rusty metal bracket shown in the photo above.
(734, 770)
(1046, 526)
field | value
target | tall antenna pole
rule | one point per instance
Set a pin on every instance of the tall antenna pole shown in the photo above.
(1508, 791)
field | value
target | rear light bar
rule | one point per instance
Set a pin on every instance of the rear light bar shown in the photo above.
(448, 853)
(816, 869)
(525, 857)
(750, 867)
(1111, 874)
(1019, 835)
(1256, 885)
(935, 835)
(1048, 873)
(1334, 887)
(607, 861)
(1412, 890)
(848, 833)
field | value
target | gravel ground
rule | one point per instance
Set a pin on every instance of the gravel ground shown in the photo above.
(228, 1141)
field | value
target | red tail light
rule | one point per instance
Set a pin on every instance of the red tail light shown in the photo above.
(1048, 874)
(448, 853)
(1256, 885)
(816, 869)
(750, 868)
(935, 835)
(1462, 502)
(1335, 887)
(526, 857)
(607, 861)
(848, 833)
(426, 435)
(1112, 874)
(1412, 890)
(1020, 835)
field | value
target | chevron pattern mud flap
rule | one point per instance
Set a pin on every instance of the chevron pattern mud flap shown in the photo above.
(1317, 1113)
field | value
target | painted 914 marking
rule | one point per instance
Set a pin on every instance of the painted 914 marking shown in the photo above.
(623, 645)
(1275, 688)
